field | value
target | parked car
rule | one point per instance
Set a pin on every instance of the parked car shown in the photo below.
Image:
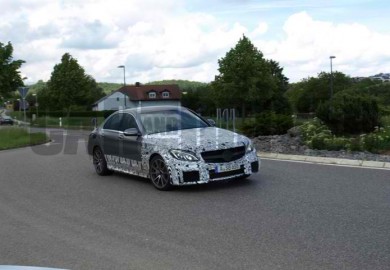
(6, 120)
(172, 146)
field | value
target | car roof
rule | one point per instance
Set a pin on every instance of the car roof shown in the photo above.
(149, 109)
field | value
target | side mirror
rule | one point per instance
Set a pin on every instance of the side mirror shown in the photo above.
(131, 132)
(211, 122)
(94, 122)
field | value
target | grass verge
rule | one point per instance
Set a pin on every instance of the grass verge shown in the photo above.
(14, 137)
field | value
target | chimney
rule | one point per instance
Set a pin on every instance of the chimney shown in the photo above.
(137, 84)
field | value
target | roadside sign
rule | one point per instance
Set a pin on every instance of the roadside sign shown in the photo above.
(24, 105)
(23, 91)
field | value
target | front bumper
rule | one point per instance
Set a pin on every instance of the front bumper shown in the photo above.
(190, 173)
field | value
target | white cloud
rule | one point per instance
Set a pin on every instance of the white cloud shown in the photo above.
(308, 43)
(154, 39)
(162, 40)
(261, 29)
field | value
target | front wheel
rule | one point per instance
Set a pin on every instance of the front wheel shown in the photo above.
(99, 162)
(159, 174)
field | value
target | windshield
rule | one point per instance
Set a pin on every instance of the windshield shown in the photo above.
(170, 120)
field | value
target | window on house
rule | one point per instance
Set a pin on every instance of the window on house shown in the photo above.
(165, 94)
(152, 95)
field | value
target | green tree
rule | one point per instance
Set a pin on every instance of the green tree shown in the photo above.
(10, 78)
(200, 99)
(277, 74)
(94, 91)
(317, 89)
(295, 92)
(350, 112)
(279, 102)
(70, 88)
(245, 78)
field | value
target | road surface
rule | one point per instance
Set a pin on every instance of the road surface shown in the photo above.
(56, 212)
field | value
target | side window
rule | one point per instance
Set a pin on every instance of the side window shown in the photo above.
(128, 121)
(113, 123)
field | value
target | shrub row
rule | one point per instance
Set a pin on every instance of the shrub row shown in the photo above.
(267, 123)
(316, 135)
(91, 114)
(350, 113)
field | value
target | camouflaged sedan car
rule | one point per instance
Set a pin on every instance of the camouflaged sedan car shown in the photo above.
(172, 146)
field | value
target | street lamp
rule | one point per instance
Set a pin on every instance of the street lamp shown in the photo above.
(331, 77)
(36, 103)
(124, 80)
(124, 74)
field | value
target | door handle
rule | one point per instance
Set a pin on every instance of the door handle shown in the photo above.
(121, 136)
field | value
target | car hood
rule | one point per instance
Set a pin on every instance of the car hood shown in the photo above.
(197, 139)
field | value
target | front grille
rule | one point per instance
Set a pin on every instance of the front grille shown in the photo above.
(224, 155)
(214, 175)
(190, 176)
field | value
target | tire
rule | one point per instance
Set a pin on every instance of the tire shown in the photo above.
(159, 174)
(99, 162)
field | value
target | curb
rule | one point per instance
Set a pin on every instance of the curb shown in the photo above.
(327, 160)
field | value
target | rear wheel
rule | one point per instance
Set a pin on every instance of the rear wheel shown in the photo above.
(99, 162)
(159, 174)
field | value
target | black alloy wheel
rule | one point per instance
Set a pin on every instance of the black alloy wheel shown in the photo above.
(159, 174)
(99, 162)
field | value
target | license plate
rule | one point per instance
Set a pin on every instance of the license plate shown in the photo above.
(227, 168)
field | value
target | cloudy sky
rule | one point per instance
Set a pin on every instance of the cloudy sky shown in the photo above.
(183, 39)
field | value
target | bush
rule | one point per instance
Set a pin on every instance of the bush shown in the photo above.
(267, 123)
(377, 140)
(354, 144)
(316, 135)
(63, 114)
(314, 128)
(350, 113)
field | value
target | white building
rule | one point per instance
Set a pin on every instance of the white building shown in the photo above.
(131, 96)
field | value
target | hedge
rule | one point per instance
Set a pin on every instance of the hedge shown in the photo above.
(58, 114)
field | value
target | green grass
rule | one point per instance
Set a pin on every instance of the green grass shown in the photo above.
(13, 137)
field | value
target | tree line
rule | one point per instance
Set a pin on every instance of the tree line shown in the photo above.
(255, 86)
(69, 88)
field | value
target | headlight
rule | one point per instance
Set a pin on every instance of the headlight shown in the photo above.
(250, 147)
(183, 155)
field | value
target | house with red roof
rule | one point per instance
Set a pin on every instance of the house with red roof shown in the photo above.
(138, 95)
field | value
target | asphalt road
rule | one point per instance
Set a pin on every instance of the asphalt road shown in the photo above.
(56, 212)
